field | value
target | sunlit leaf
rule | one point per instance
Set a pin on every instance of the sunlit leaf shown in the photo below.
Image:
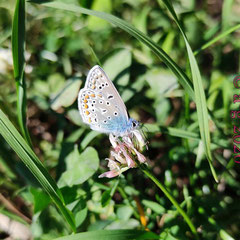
(80, 167)
(67, 96)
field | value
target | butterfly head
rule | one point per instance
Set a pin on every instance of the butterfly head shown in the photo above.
(133, 123)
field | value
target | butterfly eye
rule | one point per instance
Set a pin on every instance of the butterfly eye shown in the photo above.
(134, 124)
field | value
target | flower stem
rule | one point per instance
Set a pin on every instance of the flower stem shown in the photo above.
(171, 198)
(124, 195)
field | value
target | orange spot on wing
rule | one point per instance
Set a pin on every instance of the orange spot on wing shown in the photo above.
(92, 95)
(93, 87)
(86, 97)
(89, 120)
(99, 95)
(86, 106)
(87, 112)
(85, 100)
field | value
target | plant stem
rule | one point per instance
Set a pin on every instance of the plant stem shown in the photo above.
(124, 195)
(171, 198)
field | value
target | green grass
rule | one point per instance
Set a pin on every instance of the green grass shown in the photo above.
(18, 46)
(173, 64)
(22, 149)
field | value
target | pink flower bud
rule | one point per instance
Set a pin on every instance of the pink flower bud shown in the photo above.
(110, 174)
(125, 153)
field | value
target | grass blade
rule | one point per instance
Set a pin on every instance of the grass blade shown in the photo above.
(18, 43)
(176, 132)
(217, 38)
(171, 198)
(111, 235)
(202, 111)
(25, 153)
(183, 79)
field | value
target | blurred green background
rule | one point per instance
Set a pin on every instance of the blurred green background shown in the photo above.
(60, 49)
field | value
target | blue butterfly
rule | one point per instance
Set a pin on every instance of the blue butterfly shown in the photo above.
(101, 106)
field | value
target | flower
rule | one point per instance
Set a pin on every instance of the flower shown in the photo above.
(125, 153)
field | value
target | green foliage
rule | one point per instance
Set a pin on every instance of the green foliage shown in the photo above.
(18, 45)
(112, 234)
(67, 95)
(18, 144)
(79, 168)
(173, 63)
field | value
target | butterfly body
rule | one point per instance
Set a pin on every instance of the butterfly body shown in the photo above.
(101, 106)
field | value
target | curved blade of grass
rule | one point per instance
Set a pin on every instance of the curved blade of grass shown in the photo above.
(18, 42)
(111, 235)
(176, 132)
(217, 38)
(25, 153)
(183, 79)
(185, 134)
(202, 111)
(171, 198)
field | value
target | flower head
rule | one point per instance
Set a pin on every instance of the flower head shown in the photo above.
(125, 153)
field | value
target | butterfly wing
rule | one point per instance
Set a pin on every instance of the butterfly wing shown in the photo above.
(100, 104)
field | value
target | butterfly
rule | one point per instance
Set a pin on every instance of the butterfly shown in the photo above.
(101, 106)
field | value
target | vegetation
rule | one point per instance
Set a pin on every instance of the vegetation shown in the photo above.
(173, 63)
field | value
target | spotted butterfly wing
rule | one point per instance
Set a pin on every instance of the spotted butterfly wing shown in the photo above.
(100, 104)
